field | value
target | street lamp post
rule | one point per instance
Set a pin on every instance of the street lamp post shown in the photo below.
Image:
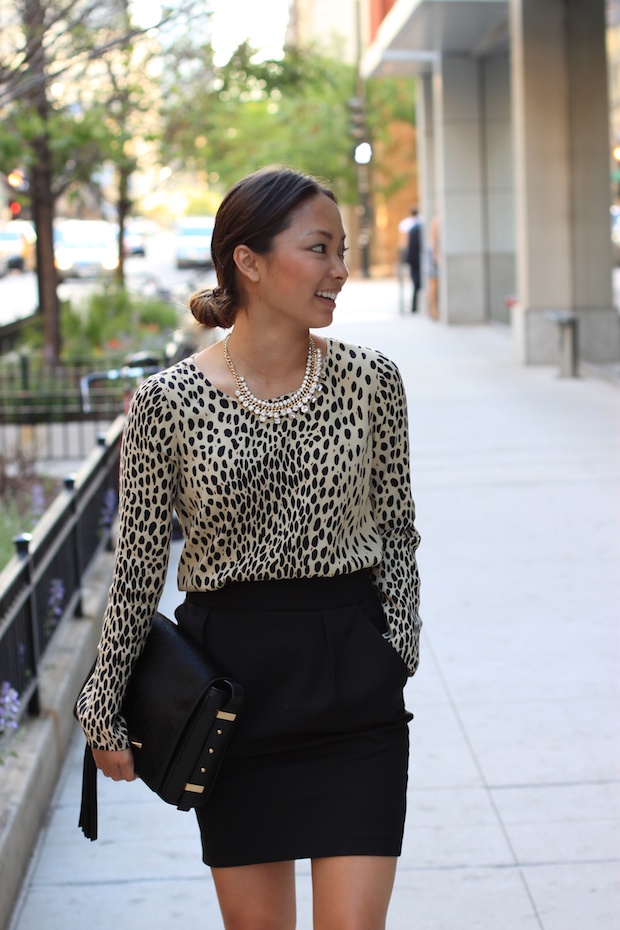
(363, 155)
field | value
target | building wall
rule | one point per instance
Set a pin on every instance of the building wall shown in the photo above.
(397, 154)
(560, 119)
(378, 10)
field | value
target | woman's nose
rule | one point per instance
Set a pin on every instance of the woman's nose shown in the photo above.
(339, 269)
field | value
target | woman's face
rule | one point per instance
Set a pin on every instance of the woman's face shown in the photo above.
(305, 271)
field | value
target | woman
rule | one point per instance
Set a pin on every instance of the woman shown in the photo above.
(285, 456)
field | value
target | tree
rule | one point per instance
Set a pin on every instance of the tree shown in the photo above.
(223, 122)
(125, 97)
(61, 139)
(226, 121)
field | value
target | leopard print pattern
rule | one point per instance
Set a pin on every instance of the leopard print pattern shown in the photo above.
(320, 495)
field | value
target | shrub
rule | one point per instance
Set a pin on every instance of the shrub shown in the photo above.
(24, 496)
(111, 319)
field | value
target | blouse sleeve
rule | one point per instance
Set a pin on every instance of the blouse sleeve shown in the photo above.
(396, 577)
(147, 490)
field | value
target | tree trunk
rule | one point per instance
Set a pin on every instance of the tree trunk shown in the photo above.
(41, 175)
(47, 279)
(124, 206)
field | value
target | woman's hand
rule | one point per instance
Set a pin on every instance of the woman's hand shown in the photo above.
(117, 765)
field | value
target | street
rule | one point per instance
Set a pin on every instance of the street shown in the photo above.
(18, 291)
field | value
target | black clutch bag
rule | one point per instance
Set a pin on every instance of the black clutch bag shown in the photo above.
(181, 710)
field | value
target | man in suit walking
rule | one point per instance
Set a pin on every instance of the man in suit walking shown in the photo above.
(413, 257)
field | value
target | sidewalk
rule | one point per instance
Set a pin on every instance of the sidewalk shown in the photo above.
(514, 798)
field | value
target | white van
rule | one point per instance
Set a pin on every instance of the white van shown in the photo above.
(85, 248)
(193, 241)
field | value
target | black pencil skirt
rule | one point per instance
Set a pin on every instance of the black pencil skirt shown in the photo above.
(318, 764)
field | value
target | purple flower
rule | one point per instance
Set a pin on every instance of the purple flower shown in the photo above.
(108, 509)
(54, 603)
(37, 502)
(9, 709)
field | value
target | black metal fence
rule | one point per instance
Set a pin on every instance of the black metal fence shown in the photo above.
(42, 583)
(51, 442)
(56, 412)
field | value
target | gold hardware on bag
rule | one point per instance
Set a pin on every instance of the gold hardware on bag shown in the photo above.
(136, 744)
(196, 789)
(202, 771)
(219, 732)
(224, 715)
(211, 751)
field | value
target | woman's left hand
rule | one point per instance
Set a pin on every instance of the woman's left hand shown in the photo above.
(115, 764)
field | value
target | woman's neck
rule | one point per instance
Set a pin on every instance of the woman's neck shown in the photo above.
(272, 362)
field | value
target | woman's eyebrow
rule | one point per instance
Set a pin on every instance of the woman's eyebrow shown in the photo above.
(322, 232)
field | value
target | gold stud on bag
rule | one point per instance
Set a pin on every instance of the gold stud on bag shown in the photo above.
(180, 709)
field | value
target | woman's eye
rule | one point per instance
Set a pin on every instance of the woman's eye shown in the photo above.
(319, 248)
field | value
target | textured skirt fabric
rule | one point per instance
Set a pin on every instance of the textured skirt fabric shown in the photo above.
(318, 764)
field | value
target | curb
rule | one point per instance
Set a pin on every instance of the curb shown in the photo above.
(28, 778)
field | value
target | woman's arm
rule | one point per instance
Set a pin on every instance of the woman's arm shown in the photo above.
(147, 491)
(396, 577)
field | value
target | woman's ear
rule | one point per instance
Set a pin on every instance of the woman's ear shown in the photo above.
(247, 265)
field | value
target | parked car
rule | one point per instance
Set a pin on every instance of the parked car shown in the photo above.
(134, 237)
(193, 241)
(85, 248)
(17, 245)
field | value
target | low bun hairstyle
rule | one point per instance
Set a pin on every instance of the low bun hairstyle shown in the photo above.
(253, 212)
(213, 307)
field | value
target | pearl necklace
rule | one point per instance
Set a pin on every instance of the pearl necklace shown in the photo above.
(277, 410)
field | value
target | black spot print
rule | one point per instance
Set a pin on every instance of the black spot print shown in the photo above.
(324, 494)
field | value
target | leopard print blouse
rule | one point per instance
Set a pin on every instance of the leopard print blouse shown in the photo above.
(323, 494)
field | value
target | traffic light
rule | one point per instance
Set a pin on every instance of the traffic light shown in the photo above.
(357, 118)
(17, 188)
(16, 179)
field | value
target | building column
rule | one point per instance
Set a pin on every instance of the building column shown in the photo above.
(561, 161)
(499, 186)
(426, 167)
(457, 107)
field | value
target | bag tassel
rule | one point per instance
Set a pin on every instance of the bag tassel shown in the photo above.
(88, 810)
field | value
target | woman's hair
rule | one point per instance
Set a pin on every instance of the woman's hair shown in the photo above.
(253, 212)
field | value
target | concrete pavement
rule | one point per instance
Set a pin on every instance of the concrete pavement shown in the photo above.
(514, 797)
